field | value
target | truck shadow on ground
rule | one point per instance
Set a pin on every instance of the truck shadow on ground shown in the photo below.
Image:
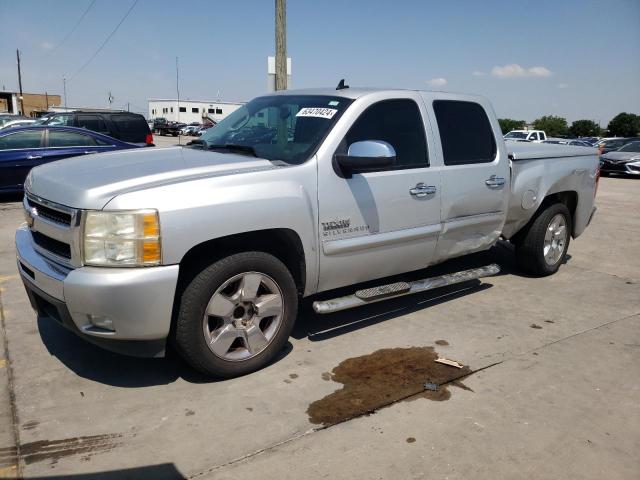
(162, 471)
(91, 362)
(323, 327)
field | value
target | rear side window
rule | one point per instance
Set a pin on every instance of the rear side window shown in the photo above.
(94, 123)
(65, 120)
(131, 128)
(465, 132)
(70, 139)
(397, 122)
(21, 140)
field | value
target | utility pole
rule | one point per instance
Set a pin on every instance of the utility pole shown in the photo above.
(281, 45)
(64, 86)
(46, 100)
(20, 83)
(178, 94)
(111, 99)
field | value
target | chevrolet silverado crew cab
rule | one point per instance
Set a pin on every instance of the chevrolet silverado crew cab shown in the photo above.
(211, 246)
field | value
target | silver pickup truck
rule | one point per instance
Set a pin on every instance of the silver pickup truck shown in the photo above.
(211, 246)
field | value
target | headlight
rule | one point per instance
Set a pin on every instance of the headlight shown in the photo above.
(121, 238)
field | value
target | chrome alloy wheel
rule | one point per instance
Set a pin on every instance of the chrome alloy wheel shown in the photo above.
(555, 239)
(243, 316)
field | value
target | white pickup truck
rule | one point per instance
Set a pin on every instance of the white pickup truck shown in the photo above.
(535, 136)
(212, 245)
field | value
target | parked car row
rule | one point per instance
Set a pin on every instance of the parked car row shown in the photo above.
(161, 126)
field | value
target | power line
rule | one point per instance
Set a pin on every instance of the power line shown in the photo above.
(105, 42)
(66, 37)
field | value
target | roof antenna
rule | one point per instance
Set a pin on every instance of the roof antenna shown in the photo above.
(341, 85)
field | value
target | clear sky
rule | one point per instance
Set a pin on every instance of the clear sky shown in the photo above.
(574, 58)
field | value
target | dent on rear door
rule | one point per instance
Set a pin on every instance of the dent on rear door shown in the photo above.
(475, 176)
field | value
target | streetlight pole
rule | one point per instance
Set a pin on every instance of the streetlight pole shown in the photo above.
(281, 45)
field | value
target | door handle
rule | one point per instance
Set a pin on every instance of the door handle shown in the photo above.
(33, 157)
(494, 181)
(422, 190)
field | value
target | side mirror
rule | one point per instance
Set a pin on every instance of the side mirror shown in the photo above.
(368, 155)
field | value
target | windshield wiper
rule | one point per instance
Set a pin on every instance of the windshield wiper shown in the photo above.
(232, 147)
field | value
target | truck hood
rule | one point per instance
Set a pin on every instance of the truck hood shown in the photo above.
(91, 181)
(621, 156)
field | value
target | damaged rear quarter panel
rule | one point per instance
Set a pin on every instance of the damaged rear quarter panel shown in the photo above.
(547, 177)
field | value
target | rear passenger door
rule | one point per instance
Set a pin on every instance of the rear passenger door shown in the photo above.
(66, 143)
(475, 176)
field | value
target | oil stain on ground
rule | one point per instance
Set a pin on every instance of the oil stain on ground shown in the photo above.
(381, 378)
(53, 450)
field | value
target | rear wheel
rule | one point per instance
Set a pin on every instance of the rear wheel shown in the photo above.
(237, 314)
(543, 247)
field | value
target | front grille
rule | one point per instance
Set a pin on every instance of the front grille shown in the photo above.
(50, 213)
(52, 245)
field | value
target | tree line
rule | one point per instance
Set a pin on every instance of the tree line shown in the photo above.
(622, 125)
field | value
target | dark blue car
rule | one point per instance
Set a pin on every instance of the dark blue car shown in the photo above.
(22, 148)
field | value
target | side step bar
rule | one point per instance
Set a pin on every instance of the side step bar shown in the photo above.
(399, 289)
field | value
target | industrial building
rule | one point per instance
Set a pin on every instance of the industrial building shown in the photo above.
(188, 111)
(34, 103)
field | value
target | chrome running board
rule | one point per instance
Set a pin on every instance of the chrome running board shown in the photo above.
(399, 289)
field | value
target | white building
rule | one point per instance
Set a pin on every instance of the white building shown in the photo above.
(189, 111)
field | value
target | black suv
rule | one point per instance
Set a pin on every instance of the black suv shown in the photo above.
(125, 126)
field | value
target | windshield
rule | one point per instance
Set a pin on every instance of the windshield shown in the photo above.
(630, 147)
(288, 128)
(516, 135)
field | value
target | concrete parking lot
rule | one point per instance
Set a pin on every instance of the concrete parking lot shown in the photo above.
(560, 397)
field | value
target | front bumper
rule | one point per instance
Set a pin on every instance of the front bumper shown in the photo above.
(138, 301)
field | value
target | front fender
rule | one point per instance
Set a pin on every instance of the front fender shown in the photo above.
(194, 212)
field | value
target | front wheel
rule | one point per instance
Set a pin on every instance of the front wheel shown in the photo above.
(543, 247)
(237, 314)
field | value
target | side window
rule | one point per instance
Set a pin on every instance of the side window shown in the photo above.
(66, 120)
(93, 123)
(21, 140)
(533, 137)
(397, 122)
(195, 110)
(183, 109)
(543, 136)
(69, 139)
(465, 132)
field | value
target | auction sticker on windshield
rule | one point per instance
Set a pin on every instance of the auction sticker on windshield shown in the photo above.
(317, 112)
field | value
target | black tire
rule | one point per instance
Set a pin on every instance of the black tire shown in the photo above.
(530, 246)
(189, 337)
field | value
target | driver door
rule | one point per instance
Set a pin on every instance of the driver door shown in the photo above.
(374, 224)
